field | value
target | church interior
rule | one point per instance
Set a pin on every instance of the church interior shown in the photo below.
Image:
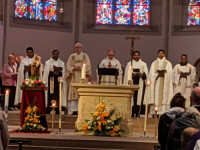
(120, 29)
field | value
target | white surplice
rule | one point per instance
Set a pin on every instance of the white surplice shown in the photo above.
(143, 69)
(184, 85)
(161, 90)
(110, 80)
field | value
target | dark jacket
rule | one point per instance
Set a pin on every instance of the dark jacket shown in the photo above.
(191, 118)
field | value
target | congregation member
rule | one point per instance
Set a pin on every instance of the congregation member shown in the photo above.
(73, 75)
(177, 106)
(183, 78)
(111, 62)
(190, 118)
(161, 87)
(9, 80)
(54, 68)
(24, 72)
(139, 75)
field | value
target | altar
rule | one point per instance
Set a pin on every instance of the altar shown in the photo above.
(119, 96)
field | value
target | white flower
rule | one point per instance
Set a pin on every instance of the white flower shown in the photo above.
(34, 125)
(108, 128)
(98, 118)
(89, 127)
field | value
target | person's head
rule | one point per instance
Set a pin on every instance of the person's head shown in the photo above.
(11, 59)
(55, 54)
(184, 59)
(29, 52)
(16, 56)
(195, 96)
(136, 55)
(161, 53)
(20, 59)
(186, 136)
(111, 54)
(177, 101)
(78, 48)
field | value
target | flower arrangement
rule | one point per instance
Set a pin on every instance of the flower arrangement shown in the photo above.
(33, 82)
(31, 121)
(101, 122)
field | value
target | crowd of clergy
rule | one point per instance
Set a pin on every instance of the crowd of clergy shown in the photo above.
(165, 81)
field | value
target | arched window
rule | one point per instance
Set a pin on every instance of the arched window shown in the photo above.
(194, 13)
(36, 9)
(123, 12)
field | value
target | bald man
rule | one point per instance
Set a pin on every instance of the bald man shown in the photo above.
(191, 118)
(73, 75)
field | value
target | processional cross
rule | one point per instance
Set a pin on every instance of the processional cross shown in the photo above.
(132, 37)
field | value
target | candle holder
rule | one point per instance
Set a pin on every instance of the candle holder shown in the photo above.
(84, 81)
(147, 82)
(53, 106)
(130, 82)
(156, 123)
(60, 80)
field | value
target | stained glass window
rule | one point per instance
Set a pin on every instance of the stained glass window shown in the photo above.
(194, 13)
(141, 12)
(21, 8)
(36, 7)
(123, 12)
(50, 10)
(104, 12)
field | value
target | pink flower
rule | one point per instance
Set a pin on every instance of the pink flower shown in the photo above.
(36, 82)
(24, 81)
(42, 85)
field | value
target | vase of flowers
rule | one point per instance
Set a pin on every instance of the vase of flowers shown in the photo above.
(33, 82)
(101, 122)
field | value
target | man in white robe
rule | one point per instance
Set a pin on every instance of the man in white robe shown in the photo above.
(24, 72)
(73, 75)
(161, 87)
(139, 75)
(111, 62)
(183, 78)
(54, 68)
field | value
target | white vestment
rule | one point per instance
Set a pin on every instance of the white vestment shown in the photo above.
(73, 76)
(110, 80)
(184, 85)
(161, 89)
(143, 69)
(21, 76)
(48, 67)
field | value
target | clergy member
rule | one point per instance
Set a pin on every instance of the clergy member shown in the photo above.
(183, 78)
(111, 62)
(161, 87)
(73, 75)
(139, 75)
(24, 72)
(54, 68)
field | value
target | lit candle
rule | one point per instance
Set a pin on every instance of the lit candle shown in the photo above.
(6, 103)
(83, 71)
(130, 73)
(156, 108)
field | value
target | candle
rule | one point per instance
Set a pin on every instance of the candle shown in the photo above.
(130, 73)
(146, 107)
(156, 108)
(6, 103)
(83, 71)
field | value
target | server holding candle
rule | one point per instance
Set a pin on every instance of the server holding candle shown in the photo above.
(77, 67)
(9, 78)
(137, 71)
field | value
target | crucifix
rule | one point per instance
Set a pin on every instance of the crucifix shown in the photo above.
(132, 37)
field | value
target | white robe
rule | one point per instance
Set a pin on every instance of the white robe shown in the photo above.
(167, 92)
(143, 69)
(184, 85)
(47, 67)
(25, 62)
(110, 80)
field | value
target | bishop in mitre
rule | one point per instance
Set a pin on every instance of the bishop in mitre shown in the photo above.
(111, 62)
(54, 68)
(161, 87)
(139, 75)
(73, 75)
(183, 78)
(28, 66)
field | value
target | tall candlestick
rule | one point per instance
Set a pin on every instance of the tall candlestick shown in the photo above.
(156, 124)
(130, 73)
(83, 71)
(146, 107)
(6, 103)
(60, 91)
